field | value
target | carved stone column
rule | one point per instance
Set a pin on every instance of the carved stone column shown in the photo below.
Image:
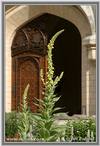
(89, 75)
(90, 43)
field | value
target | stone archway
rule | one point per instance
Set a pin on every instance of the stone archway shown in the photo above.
(20, 15)
(66, 57)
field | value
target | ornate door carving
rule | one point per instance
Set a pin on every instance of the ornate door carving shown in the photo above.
(28, 57)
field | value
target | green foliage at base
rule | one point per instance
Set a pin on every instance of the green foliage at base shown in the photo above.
(84, 130)
(81, 130)
(11, 127)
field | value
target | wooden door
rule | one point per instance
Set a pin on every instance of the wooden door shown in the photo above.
(28, 57)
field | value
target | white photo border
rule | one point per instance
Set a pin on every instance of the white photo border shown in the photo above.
(2, 63)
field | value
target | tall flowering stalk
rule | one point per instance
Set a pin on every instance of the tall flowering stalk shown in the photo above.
(24, 117)
(44, 120)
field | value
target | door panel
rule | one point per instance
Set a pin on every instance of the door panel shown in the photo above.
(28, 72)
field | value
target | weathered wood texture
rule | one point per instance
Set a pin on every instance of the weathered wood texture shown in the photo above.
(28, 57)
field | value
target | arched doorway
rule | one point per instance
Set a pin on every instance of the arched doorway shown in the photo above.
(66, 57)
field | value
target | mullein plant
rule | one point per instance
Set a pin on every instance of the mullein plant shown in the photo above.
(24, 118)
(43, 120)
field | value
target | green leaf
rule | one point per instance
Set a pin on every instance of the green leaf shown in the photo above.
(39, 100)
(48, 124)
(56, 99)
(57, 109)
(36, 117)
(44, 133)
(52, 138)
